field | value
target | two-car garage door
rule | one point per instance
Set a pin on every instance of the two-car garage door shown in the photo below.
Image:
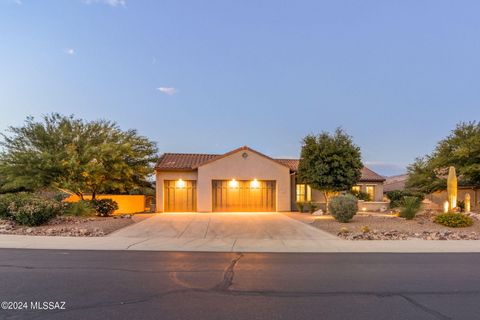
(243, 195)
(227, 195)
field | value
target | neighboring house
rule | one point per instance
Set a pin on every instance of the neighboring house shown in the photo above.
(239, 180)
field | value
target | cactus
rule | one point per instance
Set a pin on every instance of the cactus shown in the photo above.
(452, 188)
(467, 202)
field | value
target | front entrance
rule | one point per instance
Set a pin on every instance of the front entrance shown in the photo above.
(180, 195)
(243, 195)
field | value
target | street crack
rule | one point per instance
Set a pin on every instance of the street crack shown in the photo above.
(228, 275)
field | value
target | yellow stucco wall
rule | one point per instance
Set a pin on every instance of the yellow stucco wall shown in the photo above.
(127, 204)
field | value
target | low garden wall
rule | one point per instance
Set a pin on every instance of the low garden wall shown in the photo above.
(373, 205)
(127, 204)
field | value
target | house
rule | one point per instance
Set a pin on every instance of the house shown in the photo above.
(239, 180)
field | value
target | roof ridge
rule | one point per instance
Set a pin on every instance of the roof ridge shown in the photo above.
(193, 154)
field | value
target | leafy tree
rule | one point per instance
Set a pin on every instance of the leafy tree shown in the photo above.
(330, 162)
(84, 157)
(460, 149)
(423, 178)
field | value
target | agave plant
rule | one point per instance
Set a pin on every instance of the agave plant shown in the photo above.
(410, 207)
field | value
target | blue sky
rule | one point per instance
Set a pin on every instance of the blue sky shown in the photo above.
(210, 76)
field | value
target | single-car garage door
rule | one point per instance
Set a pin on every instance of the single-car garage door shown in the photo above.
(243, 195)
(180, 195)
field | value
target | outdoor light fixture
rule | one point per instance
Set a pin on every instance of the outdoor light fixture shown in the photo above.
(446, 206)
(254, 184)
(233, 183)
(180, 184)
(364, 209)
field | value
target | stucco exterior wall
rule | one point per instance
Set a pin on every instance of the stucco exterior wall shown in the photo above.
(439, 197)
(127, 204)
(378, 189)
(161, 176)
(235, 166)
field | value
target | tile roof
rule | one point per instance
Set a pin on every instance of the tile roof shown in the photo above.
(182, 161)
(369, 175)
(190, 161)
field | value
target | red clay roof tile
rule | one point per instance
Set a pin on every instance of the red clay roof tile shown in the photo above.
(190, 161)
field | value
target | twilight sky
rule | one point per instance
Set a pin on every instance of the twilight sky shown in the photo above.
(210, 76)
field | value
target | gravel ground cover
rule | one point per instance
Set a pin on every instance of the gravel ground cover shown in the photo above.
(390, 227)
(73, 226)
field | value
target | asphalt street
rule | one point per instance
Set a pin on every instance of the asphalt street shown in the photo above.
(59, 284)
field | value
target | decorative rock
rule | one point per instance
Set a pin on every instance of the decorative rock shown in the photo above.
(396, 235)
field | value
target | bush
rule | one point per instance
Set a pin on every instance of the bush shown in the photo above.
(396, 197)
(104, 207)
(5, 201)
(410, 207)
(361, 195)
(461, 205)
(300, 206)
(28, 209)
(312, 207)
(454, 220)
(79, 208)
(343, 208)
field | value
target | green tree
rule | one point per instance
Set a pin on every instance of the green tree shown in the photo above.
(330, 162)
(84, 157)
(460, 149)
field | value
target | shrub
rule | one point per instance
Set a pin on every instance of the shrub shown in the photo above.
(361, 195)
(300, 206)
(454, 220)
(28, 209)
(343, 208)
(79, 208)
(104, 207)
(396, 197)
(5, 201)
(461, 205)
(312, 207)
(410, 207)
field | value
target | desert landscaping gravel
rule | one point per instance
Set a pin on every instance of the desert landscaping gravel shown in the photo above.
(71, 226)
(391, 227)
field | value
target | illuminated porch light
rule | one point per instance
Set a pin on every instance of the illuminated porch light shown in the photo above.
(233, 183)
(364, 209)
(180, 184)
(254, 184)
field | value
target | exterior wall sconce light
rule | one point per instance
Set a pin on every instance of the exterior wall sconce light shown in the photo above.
(255, 184)
(233, 183)
(180, 184)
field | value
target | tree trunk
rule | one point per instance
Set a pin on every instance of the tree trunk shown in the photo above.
(94, 195)
(325, 194)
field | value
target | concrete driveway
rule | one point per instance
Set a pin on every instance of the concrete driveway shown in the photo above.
(238, 225)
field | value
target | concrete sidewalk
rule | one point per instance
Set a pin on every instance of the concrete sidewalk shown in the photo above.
(222, 232)
(236, 245)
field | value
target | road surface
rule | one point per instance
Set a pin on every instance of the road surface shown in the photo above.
(201, 286)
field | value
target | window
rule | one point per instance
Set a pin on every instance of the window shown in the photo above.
(371, 192)
(356, 189)
(304, 193)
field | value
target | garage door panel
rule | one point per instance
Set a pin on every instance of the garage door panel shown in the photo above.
(180, 197)
(243, 197)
